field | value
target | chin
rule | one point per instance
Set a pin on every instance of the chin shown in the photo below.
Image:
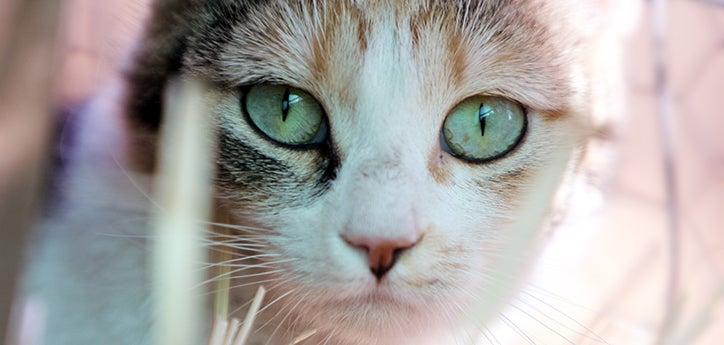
(383, 313)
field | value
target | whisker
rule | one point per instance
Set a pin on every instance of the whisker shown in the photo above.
(239, 240)
(240, 247)
(133, 181)
(517, 329)
(280, 322)
(485, 335)
(215, 234)
(277, 279)
(543, 324)
(241, 259)
(230, 273)
(492, 335)
(238, 227)
(587, 331)
(250, 301)
(261, 263)
(259, 282)
(260, 274)
(236, 251)
(230, 238)
(270, 264)
(277, 299)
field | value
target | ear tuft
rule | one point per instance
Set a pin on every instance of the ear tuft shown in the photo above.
(157, 58)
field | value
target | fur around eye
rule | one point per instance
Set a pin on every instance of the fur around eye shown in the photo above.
(483, 128)
(285, 114)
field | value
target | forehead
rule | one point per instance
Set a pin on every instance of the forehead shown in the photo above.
(440, 49)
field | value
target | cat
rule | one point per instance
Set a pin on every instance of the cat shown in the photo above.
(393, 167)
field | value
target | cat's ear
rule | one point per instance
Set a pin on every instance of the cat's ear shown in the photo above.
(156, 58)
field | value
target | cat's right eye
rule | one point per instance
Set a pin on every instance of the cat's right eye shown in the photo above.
(483, 128)
(285, 114)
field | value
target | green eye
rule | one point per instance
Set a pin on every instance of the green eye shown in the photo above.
(483, 128)
(285, 114)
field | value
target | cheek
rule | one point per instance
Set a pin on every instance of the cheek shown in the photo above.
(309, 237)
(479, 214)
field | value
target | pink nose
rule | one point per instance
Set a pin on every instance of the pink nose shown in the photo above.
(382, 253)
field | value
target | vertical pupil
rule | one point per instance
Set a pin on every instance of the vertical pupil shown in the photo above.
(285, 105)
(483, 113)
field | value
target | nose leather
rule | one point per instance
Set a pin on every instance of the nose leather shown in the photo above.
(382, 253)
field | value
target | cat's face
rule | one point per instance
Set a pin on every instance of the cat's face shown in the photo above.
(386, 214)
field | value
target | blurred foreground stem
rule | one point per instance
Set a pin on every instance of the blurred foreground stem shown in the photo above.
(27, 61)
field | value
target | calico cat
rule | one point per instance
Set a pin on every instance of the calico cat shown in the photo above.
(389, 168)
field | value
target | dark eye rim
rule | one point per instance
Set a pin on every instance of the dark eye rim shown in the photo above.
(507, 152)
(322, 132)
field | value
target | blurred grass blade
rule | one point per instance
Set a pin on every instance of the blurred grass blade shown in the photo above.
(184, 195)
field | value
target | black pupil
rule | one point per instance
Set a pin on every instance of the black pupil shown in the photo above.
(285, 105)
(483, 113)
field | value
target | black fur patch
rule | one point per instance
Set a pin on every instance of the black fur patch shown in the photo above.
(173, 27)
(247, 176)
(258, 181)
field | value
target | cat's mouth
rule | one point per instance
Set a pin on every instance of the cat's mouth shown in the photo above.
(380, 309)
(383, 297)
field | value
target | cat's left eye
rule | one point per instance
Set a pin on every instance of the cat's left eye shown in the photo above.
(483, 128)
(285, 114)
